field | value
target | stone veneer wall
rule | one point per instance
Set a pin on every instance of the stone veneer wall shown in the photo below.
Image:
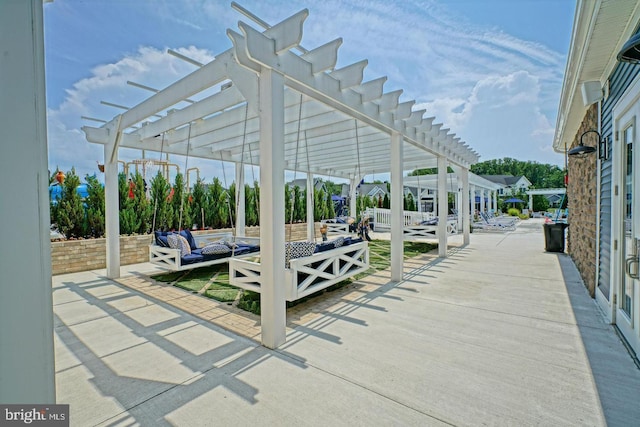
(71, 256)
(582, 199)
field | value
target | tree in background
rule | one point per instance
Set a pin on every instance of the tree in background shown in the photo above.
(289, 204)
(299, 211)
(319, 205)
(160, 203)
(95, 207)
(181, 206)
(386, 202)
(540, 203)
(214, 199)
(540, 175)
(251, 206)
(330, 208)
(70, 215)
(409, 202)
(129, 220)
(198, 202)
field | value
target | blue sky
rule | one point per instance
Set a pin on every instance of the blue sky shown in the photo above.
(490, 70)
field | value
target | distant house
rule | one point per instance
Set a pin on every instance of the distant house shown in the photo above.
(554, 200)
(509, 184)
(372, 190)
(318, 184)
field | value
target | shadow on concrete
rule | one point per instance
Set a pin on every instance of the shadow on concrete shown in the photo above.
(615, 374)
(216, 367)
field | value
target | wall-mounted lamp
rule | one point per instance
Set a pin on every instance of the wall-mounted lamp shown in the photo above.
(582, 150)
(630, 52)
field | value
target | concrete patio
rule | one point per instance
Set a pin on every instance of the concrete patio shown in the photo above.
(499, 333)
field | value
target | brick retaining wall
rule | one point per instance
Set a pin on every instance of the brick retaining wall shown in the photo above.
(71, 256)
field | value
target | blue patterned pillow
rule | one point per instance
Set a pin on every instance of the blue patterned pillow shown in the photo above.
(177, 241)
(215, 249)
(338, 242)
(297, 250)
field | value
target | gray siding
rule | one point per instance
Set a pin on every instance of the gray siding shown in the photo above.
(619, 81)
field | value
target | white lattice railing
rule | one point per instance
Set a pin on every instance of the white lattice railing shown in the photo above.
(322, 269)
(428, 231)
(381, 217)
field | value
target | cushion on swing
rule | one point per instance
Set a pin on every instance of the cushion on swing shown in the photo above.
(176, 241)
(215, 249)
(187, 235)
(338, 242)
(297, 250)
(325, 246)
(161, 238)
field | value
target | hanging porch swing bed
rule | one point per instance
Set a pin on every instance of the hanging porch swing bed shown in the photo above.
(309, 267)
(178, 251)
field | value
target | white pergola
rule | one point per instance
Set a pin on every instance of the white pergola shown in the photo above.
(270, 103)
(487, 190)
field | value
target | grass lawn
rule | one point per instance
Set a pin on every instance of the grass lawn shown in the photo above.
(213, 281)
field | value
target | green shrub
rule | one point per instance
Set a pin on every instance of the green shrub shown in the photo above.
(513, 212)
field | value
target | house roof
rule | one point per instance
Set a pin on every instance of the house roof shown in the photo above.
(600, 30)
(302, 183)
(334, 123)
(504, 180)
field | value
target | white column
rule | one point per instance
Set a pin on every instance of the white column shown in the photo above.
(483, 200)
(26, 308)
(397, 208)
(111, 210)
(495, 200)
(459, 201)
(311, 232)
(442, 206)
(473, 200)
(466, 220)
(530, 202)
(419, 201)
(241, 203)
(272, 235)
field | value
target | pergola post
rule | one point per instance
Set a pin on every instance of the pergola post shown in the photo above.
(272, 212)
(466, 218)
(397, 208)
(443, 206)
(241, 207)
(459, 201)
(473, 200)
(311, 232)
(27, 371)
(112, 203)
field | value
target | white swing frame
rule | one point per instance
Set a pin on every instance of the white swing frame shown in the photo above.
(246, 274)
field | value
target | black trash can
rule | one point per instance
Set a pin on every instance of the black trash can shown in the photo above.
(554, 236)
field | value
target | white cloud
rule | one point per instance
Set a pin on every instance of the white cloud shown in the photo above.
(67, 143)
(501, 112)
